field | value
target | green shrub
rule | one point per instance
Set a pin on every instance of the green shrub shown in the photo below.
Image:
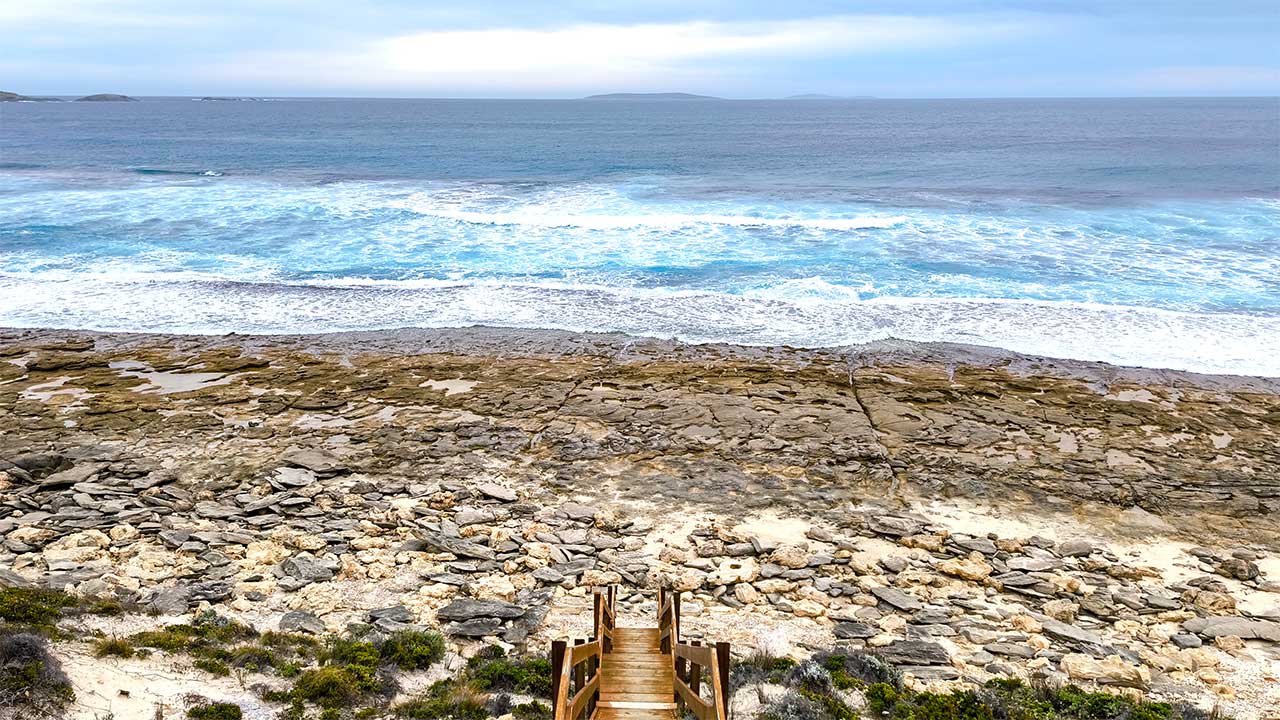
(328, 686)
(115, 647)
(33, 606)
(412, 649)
(532, 711)
(213, 666)
(493, 671)
(881, 697)
(253, 658)
(215, 711)
(445, 700)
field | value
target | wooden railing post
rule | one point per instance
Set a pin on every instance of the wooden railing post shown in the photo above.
(593, 667)
(722, 662)
(675, 619)
(557, 661)
(695, 673)
(579, 674)
(595, 615)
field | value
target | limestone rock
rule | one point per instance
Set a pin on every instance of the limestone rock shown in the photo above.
(1111, 670)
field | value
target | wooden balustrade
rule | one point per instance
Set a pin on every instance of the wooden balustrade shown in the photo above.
(693, 663)
(575, 678)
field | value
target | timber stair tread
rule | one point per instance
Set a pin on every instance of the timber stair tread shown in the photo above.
(636, 679)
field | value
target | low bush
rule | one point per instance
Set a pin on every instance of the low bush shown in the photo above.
(212, 666)
(492, 670)
(412, 649)
(445, 700)
(327, 687)
(531, 711)
(36, 608)
(113, 647)
(215, 711)
(31, 680)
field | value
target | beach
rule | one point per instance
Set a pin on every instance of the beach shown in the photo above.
(974, 511)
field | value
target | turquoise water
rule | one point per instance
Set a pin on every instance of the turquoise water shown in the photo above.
(1136, 231)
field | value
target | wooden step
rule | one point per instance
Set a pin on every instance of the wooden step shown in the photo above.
(609, 713)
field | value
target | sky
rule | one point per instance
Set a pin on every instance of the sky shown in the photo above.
(728, 48)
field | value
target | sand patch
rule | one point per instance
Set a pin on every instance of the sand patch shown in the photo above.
(773, 527)
(150, 684)
(450, 387)
(55, 392)
(164, 383)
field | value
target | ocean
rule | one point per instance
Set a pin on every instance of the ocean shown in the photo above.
(1136, 231)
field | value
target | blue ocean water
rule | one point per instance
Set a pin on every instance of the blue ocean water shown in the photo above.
(1144, 232)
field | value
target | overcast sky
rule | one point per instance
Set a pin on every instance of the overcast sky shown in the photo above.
(732, 48)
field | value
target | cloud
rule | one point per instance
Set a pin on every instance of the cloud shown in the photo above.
(617, 55)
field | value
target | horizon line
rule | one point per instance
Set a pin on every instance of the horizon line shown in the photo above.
(697, 96)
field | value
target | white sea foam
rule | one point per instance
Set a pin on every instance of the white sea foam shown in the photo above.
(1202, 342)
(664, 221)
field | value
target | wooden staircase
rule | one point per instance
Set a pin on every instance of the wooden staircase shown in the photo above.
(636, 678)
(638, 673)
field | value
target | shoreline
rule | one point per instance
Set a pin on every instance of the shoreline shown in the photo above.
(624, 347)
(894, 420)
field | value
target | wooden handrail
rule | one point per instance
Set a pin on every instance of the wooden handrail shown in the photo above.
(715, 661)
(575, 672)
(605, 616)
(578, 668)
(693, 661)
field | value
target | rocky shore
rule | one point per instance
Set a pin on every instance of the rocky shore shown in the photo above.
(966, 513)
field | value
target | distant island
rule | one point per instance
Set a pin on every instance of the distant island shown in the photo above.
(651, 96)
(15, 97)
(106, 97)
(211, 98)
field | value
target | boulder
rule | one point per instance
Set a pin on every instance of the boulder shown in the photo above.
(468, 609)
(897, 599)
(1111, 670)
(1224, 625)
(301, 621)
(914, 652)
